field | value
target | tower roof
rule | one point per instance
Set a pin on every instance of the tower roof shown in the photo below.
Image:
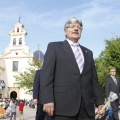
(38, 55)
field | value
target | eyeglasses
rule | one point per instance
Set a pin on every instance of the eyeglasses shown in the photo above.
(74, 26)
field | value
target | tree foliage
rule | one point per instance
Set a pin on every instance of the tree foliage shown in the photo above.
(25, 79)
(109, 58)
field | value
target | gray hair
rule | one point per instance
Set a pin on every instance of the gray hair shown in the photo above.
(112, 69)
(71, 21)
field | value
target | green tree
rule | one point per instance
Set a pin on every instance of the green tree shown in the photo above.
(25, 79)
(109, 58)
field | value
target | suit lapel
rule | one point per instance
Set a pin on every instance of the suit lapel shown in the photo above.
(67, 49)
(85, 55)
(113, 81)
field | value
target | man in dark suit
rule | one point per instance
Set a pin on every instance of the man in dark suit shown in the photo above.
(40, 114)
(112, 84)
(69, 82)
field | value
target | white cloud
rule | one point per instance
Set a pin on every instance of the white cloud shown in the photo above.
(101, 14)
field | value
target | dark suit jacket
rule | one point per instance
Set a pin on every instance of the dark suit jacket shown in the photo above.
(110, 86)
(62, 83)
(40, 114)
(36, 86)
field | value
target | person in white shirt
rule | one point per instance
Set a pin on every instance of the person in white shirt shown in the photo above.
(13, 110)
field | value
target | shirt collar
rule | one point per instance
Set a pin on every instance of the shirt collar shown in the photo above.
(112, 76)
(71, 42)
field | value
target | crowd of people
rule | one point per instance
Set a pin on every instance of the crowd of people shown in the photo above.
(10, 108)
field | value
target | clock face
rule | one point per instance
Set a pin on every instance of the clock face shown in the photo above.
(14, 41)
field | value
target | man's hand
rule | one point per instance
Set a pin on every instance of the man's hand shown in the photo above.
(100, 112)
(35, 101)
(49, 108)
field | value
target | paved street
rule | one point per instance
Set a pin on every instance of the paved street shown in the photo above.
(29, 114)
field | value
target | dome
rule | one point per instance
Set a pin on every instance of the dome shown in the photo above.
(38, 55)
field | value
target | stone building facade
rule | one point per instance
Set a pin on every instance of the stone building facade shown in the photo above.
(14, 60)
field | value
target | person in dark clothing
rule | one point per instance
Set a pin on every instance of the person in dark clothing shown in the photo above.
(112, 84)
(40, 114)
(69, 83)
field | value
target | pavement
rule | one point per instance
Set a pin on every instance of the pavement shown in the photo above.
(29, 114)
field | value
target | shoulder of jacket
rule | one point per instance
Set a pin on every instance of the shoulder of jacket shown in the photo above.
(85, 48)
(55, 43)
(108, 78)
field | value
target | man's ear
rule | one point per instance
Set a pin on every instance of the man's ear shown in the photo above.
(65, 32)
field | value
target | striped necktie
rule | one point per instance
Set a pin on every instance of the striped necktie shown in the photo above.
(78, 56)
(114, 79)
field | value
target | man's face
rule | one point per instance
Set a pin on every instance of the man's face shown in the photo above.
(73, 32)
(112, 72)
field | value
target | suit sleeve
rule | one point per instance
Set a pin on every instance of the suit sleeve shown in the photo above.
(47, 75)
(36, 85)
(107, 87)
(98, 97)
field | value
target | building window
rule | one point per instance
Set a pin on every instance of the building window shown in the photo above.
(15, 65)
(14, 41)
(20, 41)
(17, 29)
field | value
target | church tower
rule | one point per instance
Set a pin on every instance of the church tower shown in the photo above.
(16, 59)
(17, 39)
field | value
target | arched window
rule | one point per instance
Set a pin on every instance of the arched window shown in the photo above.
(20, 41)
(14, 41)
(15, 66)
(17, 29)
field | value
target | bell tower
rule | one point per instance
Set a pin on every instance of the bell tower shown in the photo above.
(17, 39)
(16, 59)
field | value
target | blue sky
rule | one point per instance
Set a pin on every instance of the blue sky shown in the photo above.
(44, 21)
